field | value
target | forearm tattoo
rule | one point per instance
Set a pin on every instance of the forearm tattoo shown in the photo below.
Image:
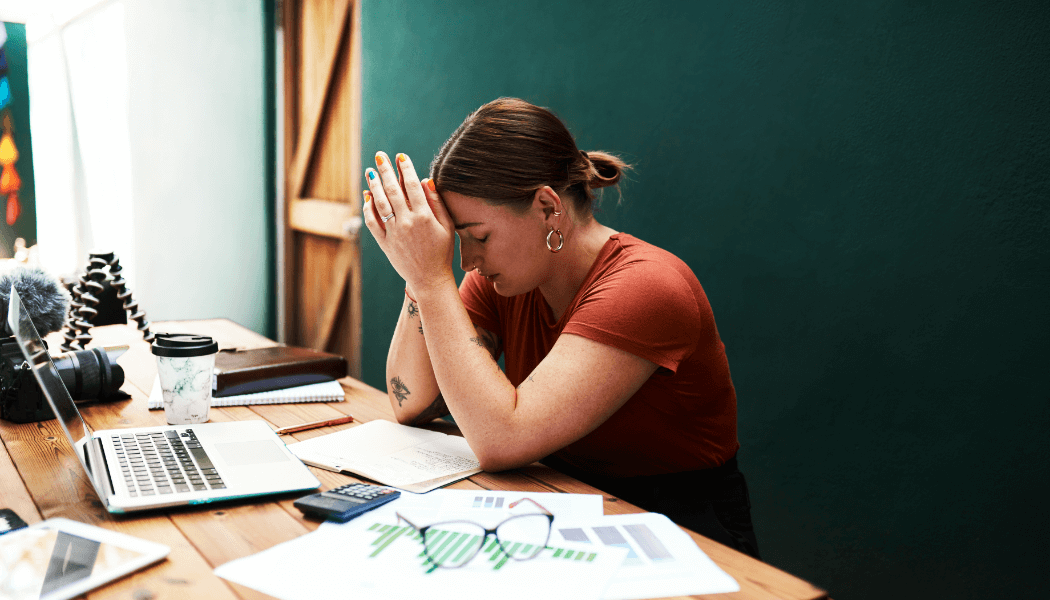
(436, 410)
(400, 390)
(413, 311)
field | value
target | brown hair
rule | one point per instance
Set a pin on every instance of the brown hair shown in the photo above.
(507, 149)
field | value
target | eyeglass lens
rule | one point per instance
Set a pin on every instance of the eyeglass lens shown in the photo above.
(454, 543)
(524, 536)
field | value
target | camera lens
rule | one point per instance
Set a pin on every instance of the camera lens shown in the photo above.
(90, 374)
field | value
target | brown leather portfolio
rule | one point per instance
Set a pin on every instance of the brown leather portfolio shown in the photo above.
(263, 369)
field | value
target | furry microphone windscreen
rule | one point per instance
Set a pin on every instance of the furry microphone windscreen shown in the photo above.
(44, 297)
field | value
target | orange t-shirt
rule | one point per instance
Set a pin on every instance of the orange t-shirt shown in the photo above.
(646, 301)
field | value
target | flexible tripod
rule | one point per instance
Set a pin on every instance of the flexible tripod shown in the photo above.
(84, 307)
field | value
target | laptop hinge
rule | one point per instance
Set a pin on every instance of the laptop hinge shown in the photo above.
(101, 478)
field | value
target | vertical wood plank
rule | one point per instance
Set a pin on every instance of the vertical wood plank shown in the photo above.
(292, 37)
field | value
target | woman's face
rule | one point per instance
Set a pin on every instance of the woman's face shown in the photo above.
(505, 245)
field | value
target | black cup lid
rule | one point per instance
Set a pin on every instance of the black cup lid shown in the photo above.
(181, 345)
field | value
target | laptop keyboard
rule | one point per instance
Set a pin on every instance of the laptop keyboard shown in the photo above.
(164, 463)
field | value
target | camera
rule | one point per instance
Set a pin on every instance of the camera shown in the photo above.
(91, 374)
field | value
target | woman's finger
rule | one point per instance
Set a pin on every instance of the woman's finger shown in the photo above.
(436, 204)
(368, 212)
(379, 197)
(391, 187)
(410, 183)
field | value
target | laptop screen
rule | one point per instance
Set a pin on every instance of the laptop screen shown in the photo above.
(33, 348)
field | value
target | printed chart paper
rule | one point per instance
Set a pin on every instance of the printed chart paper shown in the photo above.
(369, 558)
(662, 560)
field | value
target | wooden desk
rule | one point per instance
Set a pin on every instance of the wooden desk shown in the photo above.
(41, 478)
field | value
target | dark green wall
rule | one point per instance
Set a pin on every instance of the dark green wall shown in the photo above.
(863, 192)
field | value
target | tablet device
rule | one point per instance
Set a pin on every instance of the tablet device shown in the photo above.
(59, 559)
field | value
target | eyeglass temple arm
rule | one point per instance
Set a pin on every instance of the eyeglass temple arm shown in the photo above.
(410, 523)
(543, 508)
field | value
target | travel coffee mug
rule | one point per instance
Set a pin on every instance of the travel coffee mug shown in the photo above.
(185, 363)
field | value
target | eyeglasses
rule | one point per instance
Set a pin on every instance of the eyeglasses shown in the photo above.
(452, 544)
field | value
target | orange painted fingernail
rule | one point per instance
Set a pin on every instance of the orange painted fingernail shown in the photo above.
(368, 196)
(401, 157)
(430, 184)
(379, 159)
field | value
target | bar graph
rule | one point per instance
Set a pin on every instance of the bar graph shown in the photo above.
(648, 542)
(488, 502)
(451, 547)
(644, 540)
(611, 536)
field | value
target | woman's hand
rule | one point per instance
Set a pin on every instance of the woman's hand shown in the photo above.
(409, 221)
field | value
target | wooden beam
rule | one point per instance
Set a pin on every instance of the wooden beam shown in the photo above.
(286, 291)
(307, 138)
(340, 274)
(325, 218)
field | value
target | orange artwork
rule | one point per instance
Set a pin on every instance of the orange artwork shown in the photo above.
(8, 152)
(9, 180)
(14, 208)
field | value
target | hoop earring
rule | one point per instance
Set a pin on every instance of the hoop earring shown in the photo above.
(561, 241)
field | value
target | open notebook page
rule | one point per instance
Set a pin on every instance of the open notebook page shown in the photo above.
(392, 454)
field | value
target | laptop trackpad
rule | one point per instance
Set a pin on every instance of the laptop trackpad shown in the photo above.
(259, 452)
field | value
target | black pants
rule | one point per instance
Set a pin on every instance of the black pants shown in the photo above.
(712, 502)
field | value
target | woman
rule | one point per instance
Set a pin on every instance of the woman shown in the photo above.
(615, 372)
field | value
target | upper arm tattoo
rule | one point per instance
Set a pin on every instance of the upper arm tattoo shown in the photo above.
(436, 410)
(531, 377)
(400, 390)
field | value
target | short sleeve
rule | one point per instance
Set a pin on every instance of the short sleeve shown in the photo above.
(644, 307)
(480, 300)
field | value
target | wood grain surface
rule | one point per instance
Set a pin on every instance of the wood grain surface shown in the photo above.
(41, 478)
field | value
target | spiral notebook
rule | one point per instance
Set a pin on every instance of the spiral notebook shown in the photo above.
(328, 391)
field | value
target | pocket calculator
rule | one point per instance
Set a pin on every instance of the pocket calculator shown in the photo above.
(345, 502)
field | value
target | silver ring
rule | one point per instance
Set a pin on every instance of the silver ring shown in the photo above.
(388, 217)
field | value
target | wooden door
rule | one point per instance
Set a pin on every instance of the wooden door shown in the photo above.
(322, 157)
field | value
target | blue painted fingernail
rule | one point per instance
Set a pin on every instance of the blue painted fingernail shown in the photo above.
(371, 174)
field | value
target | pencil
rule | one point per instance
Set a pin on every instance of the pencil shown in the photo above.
(315, 425)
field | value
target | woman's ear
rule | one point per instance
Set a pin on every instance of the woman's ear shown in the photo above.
(547, 203)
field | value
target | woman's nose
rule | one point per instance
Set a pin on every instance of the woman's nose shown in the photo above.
(467, 260)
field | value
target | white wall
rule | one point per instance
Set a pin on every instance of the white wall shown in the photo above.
(196, 110)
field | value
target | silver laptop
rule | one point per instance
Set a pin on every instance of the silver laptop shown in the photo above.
(153, 467)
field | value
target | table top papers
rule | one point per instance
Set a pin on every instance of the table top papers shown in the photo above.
(408, 458)
(380, 558)
(588, 555)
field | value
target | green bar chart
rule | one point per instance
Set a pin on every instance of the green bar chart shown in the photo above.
(450, 547)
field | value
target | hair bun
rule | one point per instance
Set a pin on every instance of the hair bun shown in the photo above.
(606, 169)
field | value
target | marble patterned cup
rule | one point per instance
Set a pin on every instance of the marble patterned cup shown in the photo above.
(184, 364)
